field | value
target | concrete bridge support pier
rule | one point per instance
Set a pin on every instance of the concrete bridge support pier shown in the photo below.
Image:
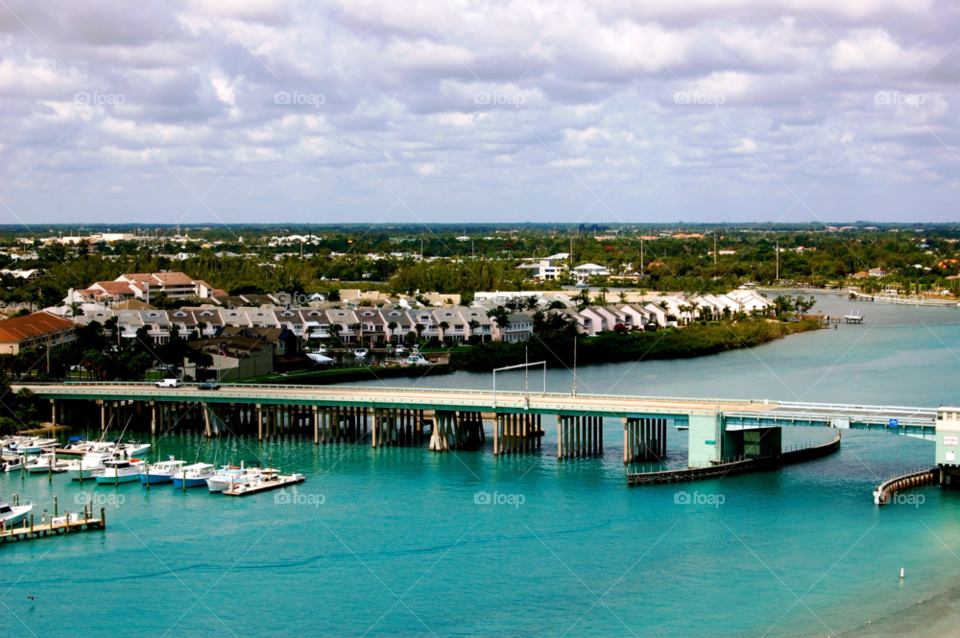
(516, 432)
(579, 436)
(644, 439)
(453, 430)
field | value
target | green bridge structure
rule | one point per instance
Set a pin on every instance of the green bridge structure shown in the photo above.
(719, 430)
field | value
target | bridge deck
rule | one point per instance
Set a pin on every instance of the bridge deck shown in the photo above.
(550, 403)
(738, 414)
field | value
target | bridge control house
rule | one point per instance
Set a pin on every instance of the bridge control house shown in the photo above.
(948, 445)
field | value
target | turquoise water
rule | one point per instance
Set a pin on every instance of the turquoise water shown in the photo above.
(398, 547)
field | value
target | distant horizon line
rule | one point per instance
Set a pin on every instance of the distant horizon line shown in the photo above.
(861, 225)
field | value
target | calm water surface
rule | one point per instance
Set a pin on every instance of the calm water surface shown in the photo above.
(398, 546)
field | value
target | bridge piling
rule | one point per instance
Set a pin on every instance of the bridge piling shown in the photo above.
(578, 436)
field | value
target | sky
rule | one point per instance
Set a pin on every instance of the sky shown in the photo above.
(613, 111)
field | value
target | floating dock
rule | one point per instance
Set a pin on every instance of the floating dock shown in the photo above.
(265, 485)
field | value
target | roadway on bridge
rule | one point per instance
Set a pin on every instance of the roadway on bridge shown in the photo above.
(396, 397)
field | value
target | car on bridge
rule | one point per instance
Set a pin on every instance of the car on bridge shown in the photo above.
(169, 383)
(209, 385)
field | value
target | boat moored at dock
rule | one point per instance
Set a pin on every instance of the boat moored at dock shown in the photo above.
(119, 471)
(195, 475)
(161, 472)
(12, 514)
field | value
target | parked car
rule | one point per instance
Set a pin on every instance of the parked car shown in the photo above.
(169, 383)
(209, 385)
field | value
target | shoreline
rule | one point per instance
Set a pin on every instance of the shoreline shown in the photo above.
(935, 617)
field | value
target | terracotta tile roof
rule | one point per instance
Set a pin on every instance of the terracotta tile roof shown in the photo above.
(21, 328)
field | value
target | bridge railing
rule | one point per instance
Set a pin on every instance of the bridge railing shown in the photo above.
(393, 389)
(798, 405)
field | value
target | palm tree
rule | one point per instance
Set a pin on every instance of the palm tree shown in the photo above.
(392, 326)
(355, 327)
(419, 328)
(531, 303)
(443, 331)
(603, 293)
(474, 324)
(336, 329)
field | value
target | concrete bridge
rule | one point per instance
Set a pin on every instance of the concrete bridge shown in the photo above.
(720, 430)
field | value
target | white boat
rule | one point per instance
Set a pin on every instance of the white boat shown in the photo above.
(361, 353)
(46, 463)
(228, 477)
(12, 466)
(193, 475)
(131, 448)
(417, 359)
(119, 471)
(30, 445)
(161, 472)
(399, 350)
(84, 467)
(12, 514)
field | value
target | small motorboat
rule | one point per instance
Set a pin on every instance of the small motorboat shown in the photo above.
(161, 472)
(12, 514)
(46, 463)
(399, 350)
(31, 445)
(417, 359)
(194, 475)
(133, 447)
(86, 466)
(360, 353)
(119, 471)
(12, 466)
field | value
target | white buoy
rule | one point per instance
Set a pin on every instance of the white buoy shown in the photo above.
(901, 572)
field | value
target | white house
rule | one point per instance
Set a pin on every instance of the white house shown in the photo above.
(586, 271)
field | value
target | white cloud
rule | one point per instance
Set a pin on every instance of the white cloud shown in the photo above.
(593, 91)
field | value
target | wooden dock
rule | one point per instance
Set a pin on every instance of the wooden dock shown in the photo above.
(66, 524)
(272, 483)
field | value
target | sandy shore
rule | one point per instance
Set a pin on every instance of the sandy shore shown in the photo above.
(937, 617)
